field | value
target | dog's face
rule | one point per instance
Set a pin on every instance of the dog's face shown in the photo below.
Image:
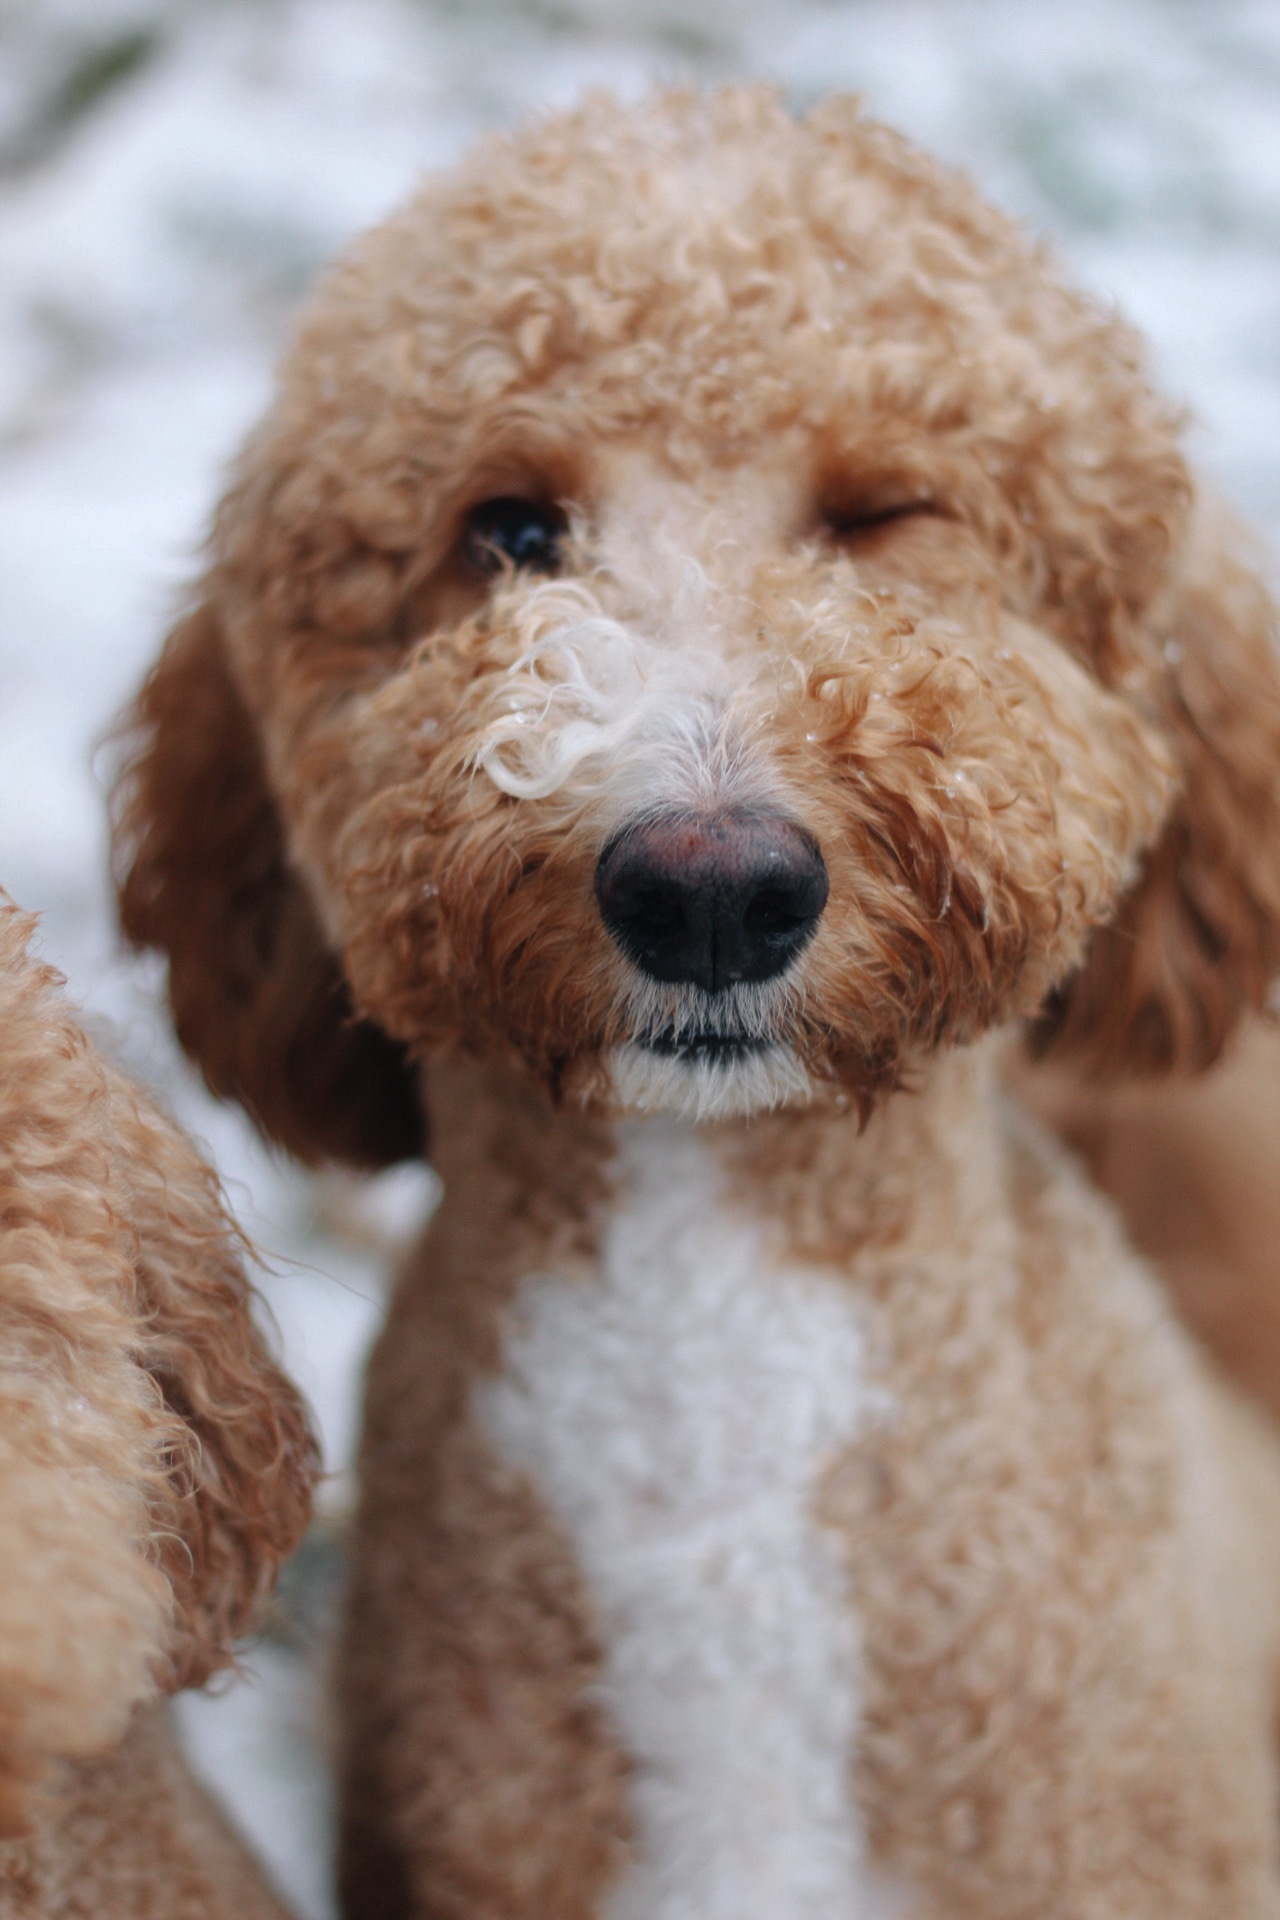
(703, 598)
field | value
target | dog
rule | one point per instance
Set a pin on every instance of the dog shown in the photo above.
(714, 645)
(155, 1468)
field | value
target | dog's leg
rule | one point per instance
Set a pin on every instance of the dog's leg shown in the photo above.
(478, 1775)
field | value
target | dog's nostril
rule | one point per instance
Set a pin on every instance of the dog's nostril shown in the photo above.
(775, 914)
(649, 906)
(711, 899)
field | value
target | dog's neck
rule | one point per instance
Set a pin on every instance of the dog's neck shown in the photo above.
(908, 1173)
(677, 1336)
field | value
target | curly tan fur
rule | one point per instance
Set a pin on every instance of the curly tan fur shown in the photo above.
(155, 1466)
(270, 1018)
(1197, 943)
(502, 336)
(865, 520)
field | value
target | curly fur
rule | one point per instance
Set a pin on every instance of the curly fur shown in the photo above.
(898, 339)
(874, 522)
(155, 1466)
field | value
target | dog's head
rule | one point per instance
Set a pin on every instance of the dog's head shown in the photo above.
(709, 613)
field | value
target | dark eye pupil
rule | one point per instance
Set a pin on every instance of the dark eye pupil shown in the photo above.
(525, 532)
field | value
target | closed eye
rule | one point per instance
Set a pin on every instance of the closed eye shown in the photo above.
(509, 531)
(857, 520)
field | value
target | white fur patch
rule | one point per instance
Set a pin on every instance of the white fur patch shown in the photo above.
(676, 1410)
(586, 690)
(621, 697)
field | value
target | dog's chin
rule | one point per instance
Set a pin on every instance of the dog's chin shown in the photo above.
(708, 1076)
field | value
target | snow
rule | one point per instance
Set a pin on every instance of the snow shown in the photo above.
(172, 172)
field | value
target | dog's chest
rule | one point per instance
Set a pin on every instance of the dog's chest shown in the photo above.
(676, 1409)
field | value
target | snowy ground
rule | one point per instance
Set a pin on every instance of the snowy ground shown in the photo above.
(171, 174)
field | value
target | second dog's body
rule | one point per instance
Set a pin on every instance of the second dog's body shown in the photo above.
(155, 1468)
(132, 1835)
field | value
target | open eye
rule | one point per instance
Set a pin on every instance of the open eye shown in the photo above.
(523, 533)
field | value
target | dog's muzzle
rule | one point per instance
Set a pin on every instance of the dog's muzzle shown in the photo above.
(711, 900)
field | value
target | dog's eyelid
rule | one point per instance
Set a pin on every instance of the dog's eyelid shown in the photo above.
(847, 520)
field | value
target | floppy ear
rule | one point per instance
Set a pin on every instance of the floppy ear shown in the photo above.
(1197, 942)
(203, 874)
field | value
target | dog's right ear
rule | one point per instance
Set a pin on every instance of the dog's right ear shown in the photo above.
(203, 875)
(1196, 944)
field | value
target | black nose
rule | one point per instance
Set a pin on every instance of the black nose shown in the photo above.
(709, 899)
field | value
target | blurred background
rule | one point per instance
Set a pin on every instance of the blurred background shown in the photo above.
(172, 174)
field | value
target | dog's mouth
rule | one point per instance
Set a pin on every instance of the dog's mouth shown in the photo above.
(707, 1073)
(704, 1047)
(702, 1056)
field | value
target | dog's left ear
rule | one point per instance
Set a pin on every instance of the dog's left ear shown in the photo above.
(1197, 942)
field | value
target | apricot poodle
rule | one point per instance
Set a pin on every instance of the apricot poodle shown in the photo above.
(155, 1467)
(713, 643)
